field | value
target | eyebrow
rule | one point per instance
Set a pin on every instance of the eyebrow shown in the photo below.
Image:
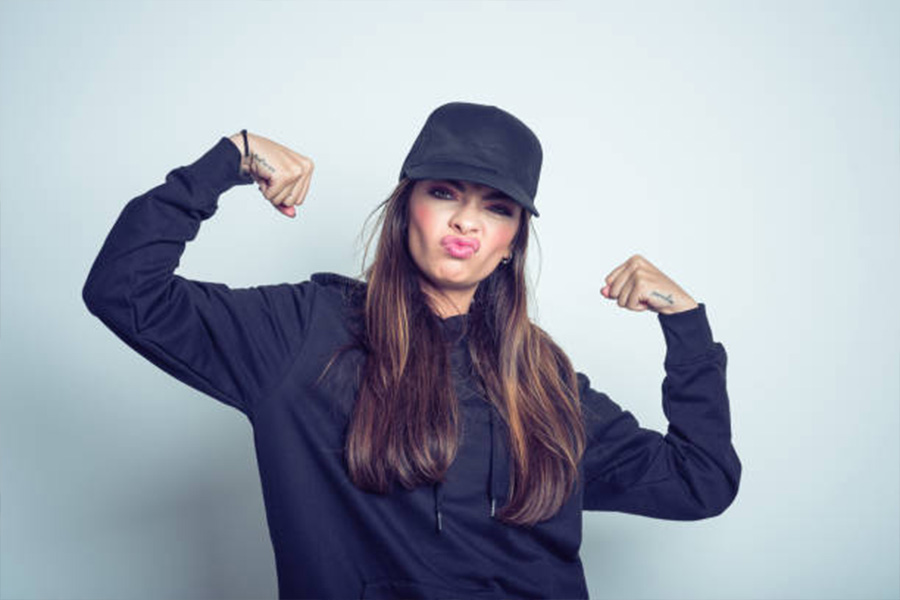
(495, 195)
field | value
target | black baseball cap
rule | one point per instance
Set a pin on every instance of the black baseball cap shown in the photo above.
(478, 143)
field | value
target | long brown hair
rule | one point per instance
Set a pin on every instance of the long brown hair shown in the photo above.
(404, 424)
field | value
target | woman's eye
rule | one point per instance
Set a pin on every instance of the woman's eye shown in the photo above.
(440, 192)
(502, 210)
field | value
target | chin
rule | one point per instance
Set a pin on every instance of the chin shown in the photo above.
(453, 283)
(452, 280)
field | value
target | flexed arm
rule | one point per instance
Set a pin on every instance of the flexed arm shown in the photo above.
(233, 344)
(691, 472)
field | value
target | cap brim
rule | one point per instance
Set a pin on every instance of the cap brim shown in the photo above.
(475, 175)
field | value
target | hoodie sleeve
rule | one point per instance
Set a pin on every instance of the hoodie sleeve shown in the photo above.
(692, 472)
(232, 344)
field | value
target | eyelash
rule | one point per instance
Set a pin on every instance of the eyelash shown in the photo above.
(496, 208)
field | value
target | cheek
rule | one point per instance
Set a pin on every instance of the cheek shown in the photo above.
(417, 236)
(419, 216)
(505, 237)
(422, 219)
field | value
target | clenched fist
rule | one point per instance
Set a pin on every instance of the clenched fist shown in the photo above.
(282, 175)
(638, 285)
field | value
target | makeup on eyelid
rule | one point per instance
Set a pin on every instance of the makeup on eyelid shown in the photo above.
(500, 208)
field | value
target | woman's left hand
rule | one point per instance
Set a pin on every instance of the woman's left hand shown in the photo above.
(638, 285)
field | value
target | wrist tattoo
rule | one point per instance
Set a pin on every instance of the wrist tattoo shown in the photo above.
(256, 158)
(666, 298)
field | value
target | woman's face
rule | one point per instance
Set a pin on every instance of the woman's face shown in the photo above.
(458, 233)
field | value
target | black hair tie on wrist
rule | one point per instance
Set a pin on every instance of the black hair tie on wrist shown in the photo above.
(245, 164)
(246, 147)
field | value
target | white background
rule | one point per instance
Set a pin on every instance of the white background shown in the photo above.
(749, 152)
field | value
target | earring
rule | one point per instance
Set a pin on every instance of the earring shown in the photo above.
(505, 260)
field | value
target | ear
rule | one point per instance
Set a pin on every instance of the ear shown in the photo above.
(514, 241)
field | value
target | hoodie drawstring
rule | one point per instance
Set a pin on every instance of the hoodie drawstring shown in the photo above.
(438, 498)
(492, 488)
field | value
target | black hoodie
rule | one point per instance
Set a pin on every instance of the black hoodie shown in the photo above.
(262, 349)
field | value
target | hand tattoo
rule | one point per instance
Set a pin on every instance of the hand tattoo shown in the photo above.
(666, 298)
(260, 160)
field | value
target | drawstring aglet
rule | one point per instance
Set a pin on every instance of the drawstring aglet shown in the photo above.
(439, 525)
(493, 506)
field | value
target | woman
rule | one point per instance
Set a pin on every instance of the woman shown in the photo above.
(416, 435)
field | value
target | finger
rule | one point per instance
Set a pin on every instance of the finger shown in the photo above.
(626, 292)
(615, 280)
(288, 197)
(303, 184)
(261, 182)
(615, 273)
(306, 168)
(288, 211)
(637, 288)
(279, 181)
(620, 280)
(307, 179)
(261, 177)
(281, 189)
(635, 294)
(297, 173)
(279, 195)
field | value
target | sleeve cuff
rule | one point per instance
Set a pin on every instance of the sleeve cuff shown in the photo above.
(220, 168)
(688, 335)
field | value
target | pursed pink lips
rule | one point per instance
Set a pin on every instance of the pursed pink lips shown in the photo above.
(460, 247)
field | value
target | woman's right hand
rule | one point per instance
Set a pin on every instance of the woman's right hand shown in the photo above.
(282, 175)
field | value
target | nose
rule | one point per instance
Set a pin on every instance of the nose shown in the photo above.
(466, 219)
